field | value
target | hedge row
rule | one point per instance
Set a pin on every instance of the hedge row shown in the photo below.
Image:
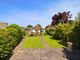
(9, 38)
(75, 35)
(66, 33)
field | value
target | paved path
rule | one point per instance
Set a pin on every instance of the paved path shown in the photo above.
(38, 54)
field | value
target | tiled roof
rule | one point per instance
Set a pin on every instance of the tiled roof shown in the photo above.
(3, 25)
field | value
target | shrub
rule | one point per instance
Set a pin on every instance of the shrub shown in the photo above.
(9, 38)
(62, 32)
(50, 30)
(75, 35)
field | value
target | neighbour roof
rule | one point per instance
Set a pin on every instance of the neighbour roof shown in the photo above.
(3, 24)
(37, 27)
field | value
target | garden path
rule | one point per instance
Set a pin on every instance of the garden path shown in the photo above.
(46, 53)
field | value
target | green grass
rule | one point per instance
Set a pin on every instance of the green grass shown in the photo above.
(52, 42)
(32, 42)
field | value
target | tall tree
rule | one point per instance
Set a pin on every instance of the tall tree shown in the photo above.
(61, 18)
(29, 26)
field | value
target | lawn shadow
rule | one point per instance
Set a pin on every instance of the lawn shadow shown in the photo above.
(51, 37)
(70, 54)
(73, 54)
(61, 42)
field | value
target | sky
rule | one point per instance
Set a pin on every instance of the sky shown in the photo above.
(33, 12)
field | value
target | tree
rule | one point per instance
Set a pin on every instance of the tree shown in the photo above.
(39, 25)
(75, 35)
(29, 26)
(62, 31)
(50, 30)
(61, 18)
(78, 16)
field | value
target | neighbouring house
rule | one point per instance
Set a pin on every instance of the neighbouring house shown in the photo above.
(36, 30)
(3, 25)
(28, 31)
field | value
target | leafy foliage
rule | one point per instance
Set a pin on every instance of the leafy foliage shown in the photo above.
(50, 30)
(75, 35)
(9, 38)
(62, 31)
(61, 18)
(68, 31)
(29, 26)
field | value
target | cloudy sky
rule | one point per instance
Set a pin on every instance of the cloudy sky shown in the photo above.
(25, 12)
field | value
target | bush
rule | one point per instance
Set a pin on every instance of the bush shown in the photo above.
(9, 38)
(50, 30)
(62, 32)
(75, 35)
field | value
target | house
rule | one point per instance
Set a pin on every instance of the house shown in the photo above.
(28, 31)
(36, 30)
(3, 25)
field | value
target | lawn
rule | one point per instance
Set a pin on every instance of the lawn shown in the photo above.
(32, 42)
(52, 42)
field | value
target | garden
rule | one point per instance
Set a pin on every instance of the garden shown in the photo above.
(65, 30)
(35, 42)
(57, 35)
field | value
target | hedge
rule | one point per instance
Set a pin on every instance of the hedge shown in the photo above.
(9, 38)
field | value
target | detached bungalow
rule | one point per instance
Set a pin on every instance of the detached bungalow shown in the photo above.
(36, 30)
